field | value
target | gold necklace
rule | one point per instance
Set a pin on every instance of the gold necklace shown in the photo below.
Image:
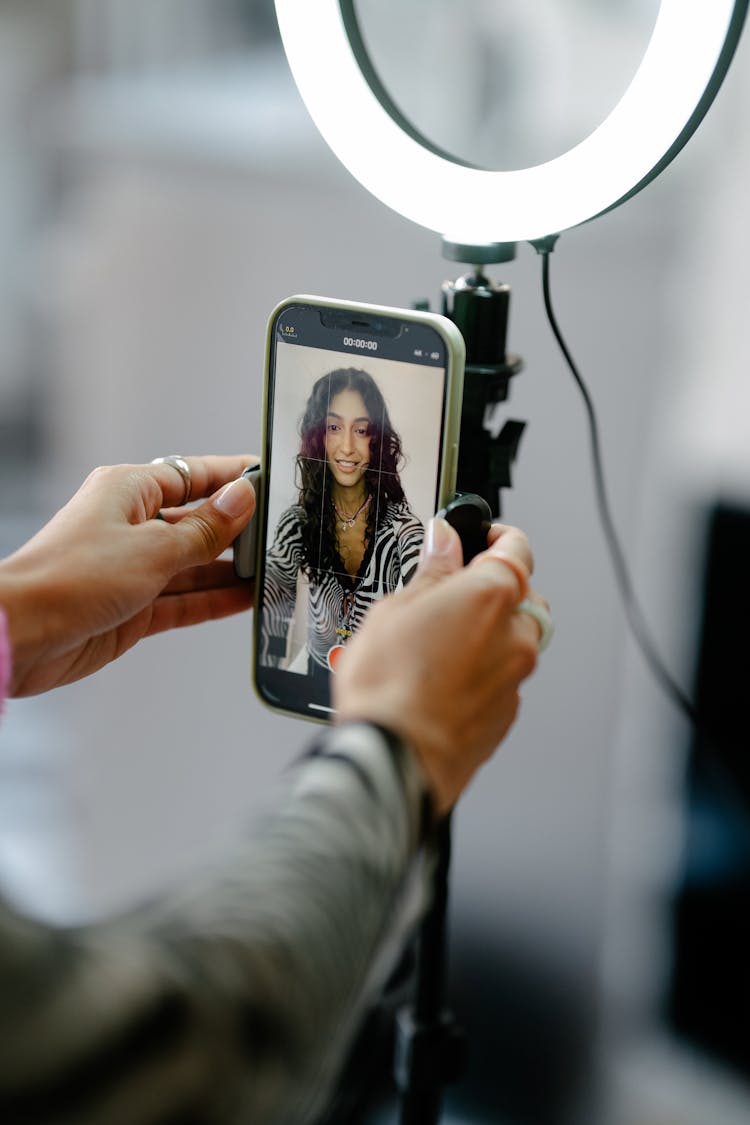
(347, 520)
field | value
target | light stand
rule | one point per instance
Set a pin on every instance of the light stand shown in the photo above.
(429, 1044)
(690, 50)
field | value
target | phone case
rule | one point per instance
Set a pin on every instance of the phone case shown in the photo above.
(455, 358)
(245, 546)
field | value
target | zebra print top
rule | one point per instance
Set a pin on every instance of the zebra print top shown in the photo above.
(339, 601)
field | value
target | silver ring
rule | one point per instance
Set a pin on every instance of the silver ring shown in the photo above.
(542, 618)
(182, 467)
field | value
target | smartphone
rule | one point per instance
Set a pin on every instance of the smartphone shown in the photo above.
(360, 446)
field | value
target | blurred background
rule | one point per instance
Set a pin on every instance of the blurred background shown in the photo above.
(161, 189)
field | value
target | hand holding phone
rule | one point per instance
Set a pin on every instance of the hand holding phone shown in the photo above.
(441, 663)
(360, 448)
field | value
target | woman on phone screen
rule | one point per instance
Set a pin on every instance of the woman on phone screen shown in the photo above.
(350, 539)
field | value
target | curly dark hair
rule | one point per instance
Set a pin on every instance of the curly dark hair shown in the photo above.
(319, 550)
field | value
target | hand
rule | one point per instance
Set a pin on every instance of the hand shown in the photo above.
(105, 572)
(440, 662)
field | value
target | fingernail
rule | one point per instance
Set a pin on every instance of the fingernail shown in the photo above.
(438, 540)
(235, 498)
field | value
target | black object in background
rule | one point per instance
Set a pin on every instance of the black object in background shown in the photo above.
(709, 995)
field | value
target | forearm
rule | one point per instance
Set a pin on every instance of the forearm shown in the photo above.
(32, 611)
(238, 996)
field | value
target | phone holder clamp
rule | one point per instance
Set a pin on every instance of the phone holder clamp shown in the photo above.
(479, 307)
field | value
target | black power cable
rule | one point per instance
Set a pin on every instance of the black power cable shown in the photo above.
(633, 611)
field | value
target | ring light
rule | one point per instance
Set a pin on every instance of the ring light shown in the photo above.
(690, 50)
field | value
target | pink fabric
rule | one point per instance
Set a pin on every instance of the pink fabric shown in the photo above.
(5, 661)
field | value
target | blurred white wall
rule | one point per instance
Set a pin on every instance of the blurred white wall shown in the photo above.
(33, 55)
(191, 200)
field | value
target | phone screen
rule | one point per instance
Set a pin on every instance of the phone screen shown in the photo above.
(356, 437)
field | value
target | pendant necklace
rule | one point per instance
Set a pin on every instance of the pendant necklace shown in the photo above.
(347, 520)
(344, 628)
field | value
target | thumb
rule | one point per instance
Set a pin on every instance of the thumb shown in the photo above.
(207, 530)
(442, 552)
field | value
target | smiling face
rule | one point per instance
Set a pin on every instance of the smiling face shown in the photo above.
(347, 439)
